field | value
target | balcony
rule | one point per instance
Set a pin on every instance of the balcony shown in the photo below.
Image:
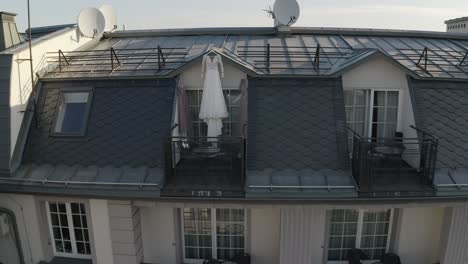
(204, 167)
(391, 167)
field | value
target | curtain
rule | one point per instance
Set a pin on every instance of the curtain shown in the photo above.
(241, 126)
(183, 110)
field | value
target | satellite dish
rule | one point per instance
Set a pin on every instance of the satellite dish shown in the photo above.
(110, 16)
(286, 12)
(91, 22)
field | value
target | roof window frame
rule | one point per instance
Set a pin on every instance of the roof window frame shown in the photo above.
(87, 114)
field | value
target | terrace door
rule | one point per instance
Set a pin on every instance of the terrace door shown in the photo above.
(9, 247)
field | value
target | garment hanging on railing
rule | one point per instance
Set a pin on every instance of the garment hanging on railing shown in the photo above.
(183, 110)
(240, 129)
(213, 106)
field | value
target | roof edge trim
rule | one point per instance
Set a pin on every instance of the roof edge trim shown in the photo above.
(294, 30)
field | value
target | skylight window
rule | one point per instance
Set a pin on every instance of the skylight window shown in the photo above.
(72, 113)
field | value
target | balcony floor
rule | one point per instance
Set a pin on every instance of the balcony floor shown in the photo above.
(400, 178)
(197, 177)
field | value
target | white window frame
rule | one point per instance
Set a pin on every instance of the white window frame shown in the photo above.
(56, 129)
(214, 246)
(71, 229)
(359, 235)
(370, 106)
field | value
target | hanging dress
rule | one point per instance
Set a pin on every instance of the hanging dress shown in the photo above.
(213, 106)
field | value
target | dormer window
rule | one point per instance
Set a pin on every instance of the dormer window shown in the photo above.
(72, 113)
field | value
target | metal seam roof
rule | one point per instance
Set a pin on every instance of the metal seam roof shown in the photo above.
(292, 55)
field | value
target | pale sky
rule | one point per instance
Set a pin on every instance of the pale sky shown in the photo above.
(144, 14)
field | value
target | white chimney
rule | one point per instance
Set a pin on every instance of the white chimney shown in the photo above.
(9, 35)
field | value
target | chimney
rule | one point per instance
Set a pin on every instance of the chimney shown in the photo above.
(9, 35)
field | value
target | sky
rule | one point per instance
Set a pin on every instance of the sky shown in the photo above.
(144, 14)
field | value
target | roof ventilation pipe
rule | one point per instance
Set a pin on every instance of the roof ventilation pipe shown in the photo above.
(9, 35)
(285, 13)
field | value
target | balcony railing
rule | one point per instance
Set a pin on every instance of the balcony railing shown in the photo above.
(394, 165)
(204, 167)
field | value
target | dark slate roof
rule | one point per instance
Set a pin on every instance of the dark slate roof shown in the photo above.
(119, 155)
(296, 132)
(37, 32)
(294, 54)
(128, 120)
(441, 108)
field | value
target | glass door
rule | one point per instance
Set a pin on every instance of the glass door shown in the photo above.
(10, 252)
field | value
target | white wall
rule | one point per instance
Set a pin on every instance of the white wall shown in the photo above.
(158, 234)
(419, 234)
(380, 74)
(302, 235)
(265, 235)
(455, 236)
(20, 83)
(101, 233)
(162, 242)
(27, 219)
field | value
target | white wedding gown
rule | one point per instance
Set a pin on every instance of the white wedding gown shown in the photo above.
(213, 107)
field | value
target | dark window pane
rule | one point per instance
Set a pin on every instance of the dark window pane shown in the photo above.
(75, 208)
(73, 117)
(83, 221)
(79, 235)
(205, 241)
(191, 253)
(55, 219)
(80, 248)
(191, 240)
(223, 254)
(53, 207)
(237, 242)
(205, 253)
(57, 234)
(59, 246)
(66, 233)
(337, 215)
(223, 241)
(88, 249)
(86, 235)
(62, 208)
(76, 221)
(349, 242)
(63, 220)
(334, 255)
(68, 247)
(222, 214)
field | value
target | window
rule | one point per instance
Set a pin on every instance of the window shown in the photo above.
(72, 113)
(368, 230)
(69, 229)
(199, 128)
(385, 114)
(213, 233)
(356, 105)
(378, 121)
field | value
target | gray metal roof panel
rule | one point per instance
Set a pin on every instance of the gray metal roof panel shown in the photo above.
(85, 180)
(405, 48)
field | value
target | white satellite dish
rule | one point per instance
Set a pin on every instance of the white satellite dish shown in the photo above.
(110, 16)
(286, 12)
(91, 22)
